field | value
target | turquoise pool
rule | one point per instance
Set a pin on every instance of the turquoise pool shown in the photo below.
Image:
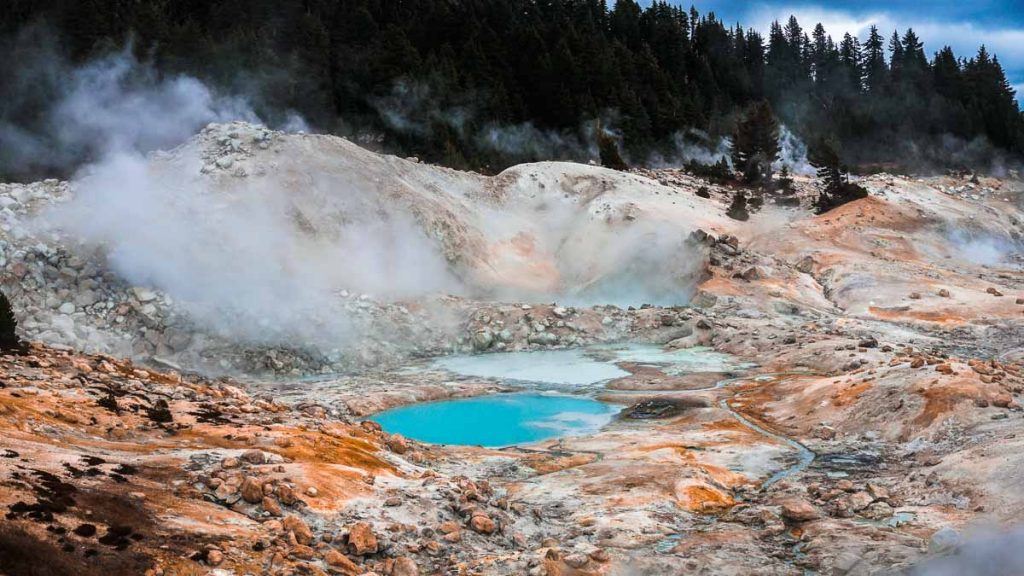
(499, 420)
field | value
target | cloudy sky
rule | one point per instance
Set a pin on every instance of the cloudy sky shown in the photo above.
(962, 24)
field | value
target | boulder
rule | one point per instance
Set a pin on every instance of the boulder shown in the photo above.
(405, 566)
(859, 501)
(271, 506)
(543, 338)
(869, 342)
(751, 274)
(340, 563)
(361, 539)
(298, 526)
(398, 444)
(943, 539)
(878, 511)
(252, 490)
(482, 524)
(704, 300)
(878, 492)
(482, 340)
(143, 295)
(805, 265)
(799, 510)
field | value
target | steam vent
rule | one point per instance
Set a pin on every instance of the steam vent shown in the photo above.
(563, 288)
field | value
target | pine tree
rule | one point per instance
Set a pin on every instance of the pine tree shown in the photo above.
(9, 341)
(850, 63)
(875, 68)
(897, 57)
(946, 75)
(608, 149)
(755, 143)
(835, 188)
(738, 208)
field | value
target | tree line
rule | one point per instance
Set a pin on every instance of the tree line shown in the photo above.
(446, 80)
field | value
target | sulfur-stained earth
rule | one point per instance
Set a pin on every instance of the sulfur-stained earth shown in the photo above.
(869, 419)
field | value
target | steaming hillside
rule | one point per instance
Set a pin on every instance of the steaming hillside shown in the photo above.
(343, 217)
(243, 235)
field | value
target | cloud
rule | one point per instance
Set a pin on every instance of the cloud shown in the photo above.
(1007, 42)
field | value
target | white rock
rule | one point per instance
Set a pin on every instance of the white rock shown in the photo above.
(944, 539)
(67, 308)
(143, 294)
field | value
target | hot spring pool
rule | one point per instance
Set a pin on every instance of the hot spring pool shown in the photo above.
(499, 420)
(585, 366)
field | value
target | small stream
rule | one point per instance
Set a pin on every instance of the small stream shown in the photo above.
(805, 456)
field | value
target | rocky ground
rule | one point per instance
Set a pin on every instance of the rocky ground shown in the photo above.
(872, 419)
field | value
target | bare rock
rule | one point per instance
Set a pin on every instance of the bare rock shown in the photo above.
(340, 563)
(298, 526)
(252, 490)
(398, 444)
(799, 510)
(361, 539)
(482, 524)
(859, 501)
(405, 566)
(271, 506)
(214, 557)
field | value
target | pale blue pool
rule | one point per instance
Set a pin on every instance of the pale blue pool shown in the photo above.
(499, 420)
(585, 366)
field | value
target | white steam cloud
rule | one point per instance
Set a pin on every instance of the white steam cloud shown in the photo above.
(988, 552)
(698, 146)
(693, 146)
(792, 153)
(112, 104)
(527, 141)
(117, 104)
(235, 259)
(982, 247)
